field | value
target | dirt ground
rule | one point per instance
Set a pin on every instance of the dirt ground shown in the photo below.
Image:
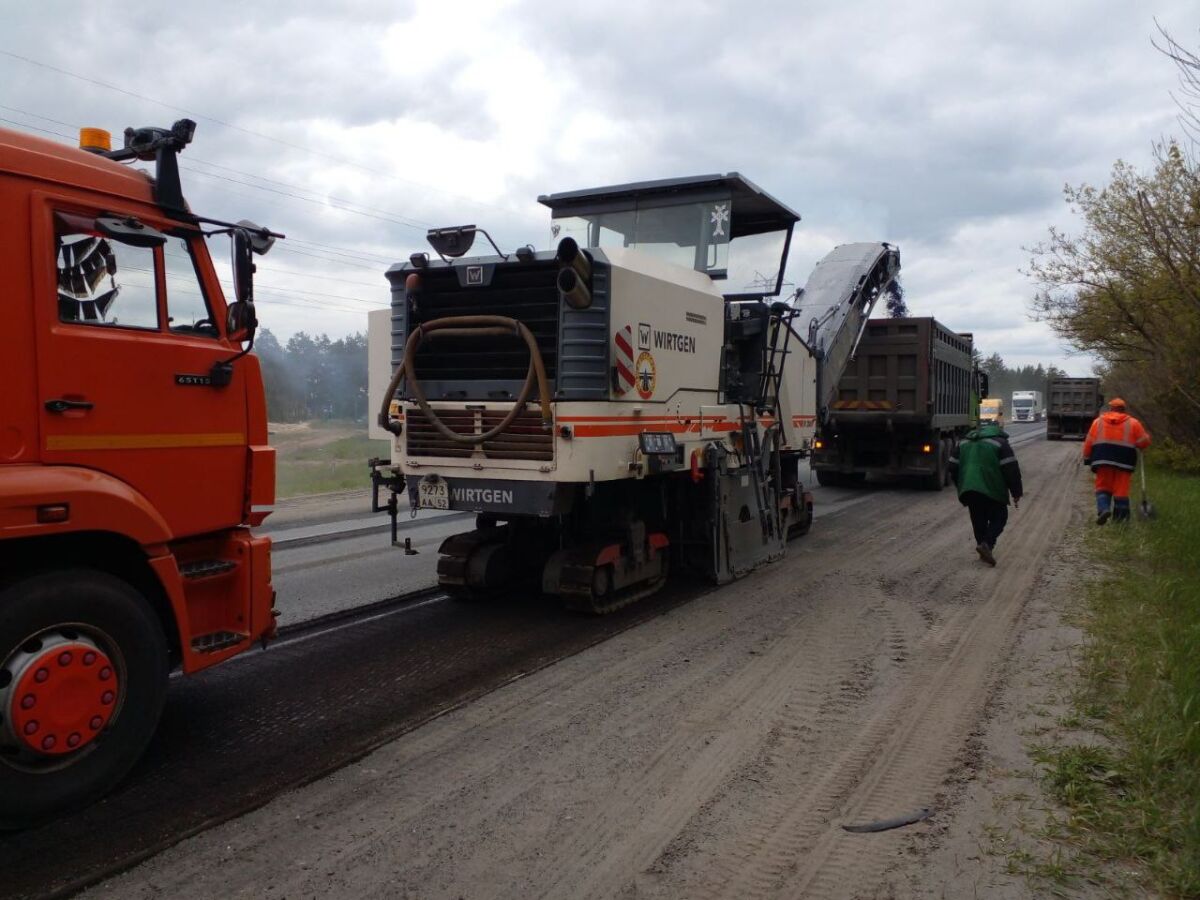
(716, 751)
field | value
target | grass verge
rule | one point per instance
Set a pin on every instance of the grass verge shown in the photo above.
(1133, 795)
(317, 458)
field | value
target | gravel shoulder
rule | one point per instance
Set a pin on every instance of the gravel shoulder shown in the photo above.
(712, 752)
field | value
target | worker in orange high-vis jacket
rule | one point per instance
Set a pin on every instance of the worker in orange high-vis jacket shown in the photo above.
(1111, 449)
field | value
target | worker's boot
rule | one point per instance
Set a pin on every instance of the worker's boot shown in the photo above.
(985, 553)
(1120, 509)
(1103, 507)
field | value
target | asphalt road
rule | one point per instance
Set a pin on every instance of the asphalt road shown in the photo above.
(711, 751)
(339, 573)
(234, 737)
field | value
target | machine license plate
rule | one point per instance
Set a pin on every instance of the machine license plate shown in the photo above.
(434, 494)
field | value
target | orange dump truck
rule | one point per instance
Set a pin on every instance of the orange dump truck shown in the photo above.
(133, 458)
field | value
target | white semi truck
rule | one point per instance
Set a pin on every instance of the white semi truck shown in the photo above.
(1027, 406)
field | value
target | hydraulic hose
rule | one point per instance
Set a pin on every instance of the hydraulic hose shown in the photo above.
(469, 326)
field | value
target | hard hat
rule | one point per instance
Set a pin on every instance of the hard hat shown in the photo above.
(1116, 403)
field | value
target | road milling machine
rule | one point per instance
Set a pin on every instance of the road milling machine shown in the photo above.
(635, 399)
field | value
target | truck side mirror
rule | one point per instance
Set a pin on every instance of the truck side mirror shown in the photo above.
(981, 384)
(241, 320)
(243, 266)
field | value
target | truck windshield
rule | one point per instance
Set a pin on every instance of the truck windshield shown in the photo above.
(1022, 403)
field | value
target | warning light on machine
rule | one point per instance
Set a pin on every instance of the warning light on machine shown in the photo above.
(95, 140)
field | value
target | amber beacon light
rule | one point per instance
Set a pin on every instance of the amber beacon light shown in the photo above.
(97, 140)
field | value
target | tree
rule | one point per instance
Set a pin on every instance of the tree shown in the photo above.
(1127, 288)
(1188, 99)
(313, 377)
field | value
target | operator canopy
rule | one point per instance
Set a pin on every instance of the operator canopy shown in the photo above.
(722, 225)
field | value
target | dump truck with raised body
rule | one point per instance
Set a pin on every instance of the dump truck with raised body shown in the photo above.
(900, 404)
(1071, 405)
(133, 458)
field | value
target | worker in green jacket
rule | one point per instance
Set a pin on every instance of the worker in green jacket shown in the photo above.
(987, 473)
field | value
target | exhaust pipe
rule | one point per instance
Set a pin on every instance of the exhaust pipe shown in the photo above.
(576, 271)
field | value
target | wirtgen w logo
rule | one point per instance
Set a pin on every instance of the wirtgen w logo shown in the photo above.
(643, 336)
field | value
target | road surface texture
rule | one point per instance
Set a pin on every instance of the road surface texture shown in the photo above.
(714, 750)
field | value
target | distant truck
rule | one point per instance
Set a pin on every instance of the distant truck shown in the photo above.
(1027, 406)
(901, 405)
(1071, 406)
(992, 410)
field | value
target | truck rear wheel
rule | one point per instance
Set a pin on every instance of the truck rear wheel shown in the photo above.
(936, 480)
(83, 678)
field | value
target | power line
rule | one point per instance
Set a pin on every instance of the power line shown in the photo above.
(364, 253)
(358, 257)
(322, 203)
(266, 137)
(407, 219)
(318, 199)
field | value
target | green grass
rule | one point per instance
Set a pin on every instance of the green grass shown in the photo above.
(322, 458)
(1135, 798)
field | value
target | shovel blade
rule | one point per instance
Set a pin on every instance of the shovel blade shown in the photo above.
(1146, 510)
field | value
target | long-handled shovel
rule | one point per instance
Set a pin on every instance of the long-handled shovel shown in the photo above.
(1145, 508)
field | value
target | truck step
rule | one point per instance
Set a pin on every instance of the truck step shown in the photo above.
(206, 568)
(218, 640)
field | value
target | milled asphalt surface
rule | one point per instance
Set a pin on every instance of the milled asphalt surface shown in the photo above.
(235, 736)
(324, 562)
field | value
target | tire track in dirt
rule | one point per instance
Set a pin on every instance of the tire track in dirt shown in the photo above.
(896, 755)
(632, 823)
(711, 752)
(898, 760)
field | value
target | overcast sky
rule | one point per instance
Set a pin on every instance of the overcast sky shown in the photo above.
(947, 128)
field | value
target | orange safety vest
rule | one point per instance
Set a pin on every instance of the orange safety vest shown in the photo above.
(1114, 440)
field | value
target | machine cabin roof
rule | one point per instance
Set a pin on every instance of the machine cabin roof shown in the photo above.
(695, 222)
(754, 211)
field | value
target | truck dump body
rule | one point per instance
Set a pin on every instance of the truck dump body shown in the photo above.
(907, 370)
(907, 390)
(1071, 405)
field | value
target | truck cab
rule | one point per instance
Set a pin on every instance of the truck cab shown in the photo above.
(1027, 406)
(133, 459)
(991, 409)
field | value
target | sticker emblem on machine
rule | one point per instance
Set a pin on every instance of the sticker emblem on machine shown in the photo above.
(623, 343)
(643, 336)
(474, 274)
(647, 375)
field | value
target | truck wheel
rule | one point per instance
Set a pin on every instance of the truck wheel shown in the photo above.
(828, 479)
(936, 479)
(83, 677)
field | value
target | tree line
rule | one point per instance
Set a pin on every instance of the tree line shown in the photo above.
(313, 376)
(1126, 287)
(1002, 380)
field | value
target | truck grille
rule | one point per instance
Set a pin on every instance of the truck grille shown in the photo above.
(525, 438)
(526, 293)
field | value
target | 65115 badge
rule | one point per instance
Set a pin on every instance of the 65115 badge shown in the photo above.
(646, 375)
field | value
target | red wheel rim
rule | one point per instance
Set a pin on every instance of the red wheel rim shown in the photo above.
(62, 696)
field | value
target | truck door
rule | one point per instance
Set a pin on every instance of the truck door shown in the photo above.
(126, 336)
